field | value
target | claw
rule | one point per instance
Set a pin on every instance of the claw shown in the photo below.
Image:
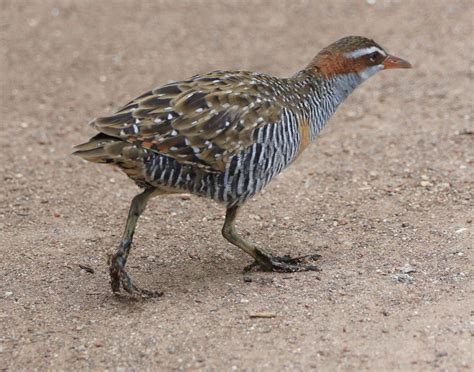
(127, 283)
(119, 278)
(251, 266)
(296, 260)
(285, 264)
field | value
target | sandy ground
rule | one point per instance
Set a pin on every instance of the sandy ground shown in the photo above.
(385, 195)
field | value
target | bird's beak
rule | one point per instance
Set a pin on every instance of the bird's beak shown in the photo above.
(395, 62)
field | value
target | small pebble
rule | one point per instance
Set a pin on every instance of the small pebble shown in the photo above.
(263, 315)
(407, 269)
(402, 278)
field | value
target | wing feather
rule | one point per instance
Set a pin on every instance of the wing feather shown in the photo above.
(203, 121)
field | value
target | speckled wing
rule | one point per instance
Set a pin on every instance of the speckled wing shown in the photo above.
(202, 121)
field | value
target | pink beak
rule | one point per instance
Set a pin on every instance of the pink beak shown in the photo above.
(395, 62)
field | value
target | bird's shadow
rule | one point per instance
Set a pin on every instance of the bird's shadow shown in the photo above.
(199, 276)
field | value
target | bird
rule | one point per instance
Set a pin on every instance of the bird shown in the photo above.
(224, 135)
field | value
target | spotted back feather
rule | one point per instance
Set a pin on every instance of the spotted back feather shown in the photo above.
(203, 121)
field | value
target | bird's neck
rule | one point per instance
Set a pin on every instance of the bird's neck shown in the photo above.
(323, 96)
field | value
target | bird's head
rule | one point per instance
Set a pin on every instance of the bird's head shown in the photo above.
(354, 54)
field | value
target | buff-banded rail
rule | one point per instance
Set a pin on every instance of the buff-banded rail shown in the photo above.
(225, 135)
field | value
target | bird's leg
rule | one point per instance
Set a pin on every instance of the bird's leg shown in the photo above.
(118, 260)
(262, 259)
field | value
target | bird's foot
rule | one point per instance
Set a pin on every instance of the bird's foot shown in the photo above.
(120, 279)
(286, 264)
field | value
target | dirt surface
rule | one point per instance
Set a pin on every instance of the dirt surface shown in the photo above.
(384, 196)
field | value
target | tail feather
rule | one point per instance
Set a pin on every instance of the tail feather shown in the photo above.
(106, 149)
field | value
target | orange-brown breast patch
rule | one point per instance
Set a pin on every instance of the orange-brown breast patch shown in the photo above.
(305, 135)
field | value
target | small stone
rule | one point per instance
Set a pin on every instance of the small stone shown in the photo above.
(8, 294)
(402, 278)
(116, 59)
(263, 315)
(407, 269)
(33, 22)
(81, 348)
(443, 186)
(426, 184)
(351, 114)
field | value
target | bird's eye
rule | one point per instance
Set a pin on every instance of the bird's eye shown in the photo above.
(373, 56)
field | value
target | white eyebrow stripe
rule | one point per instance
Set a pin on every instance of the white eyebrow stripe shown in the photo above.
(364, 51)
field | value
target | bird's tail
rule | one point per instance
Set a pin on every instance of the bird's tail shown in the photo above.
(103, 148)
